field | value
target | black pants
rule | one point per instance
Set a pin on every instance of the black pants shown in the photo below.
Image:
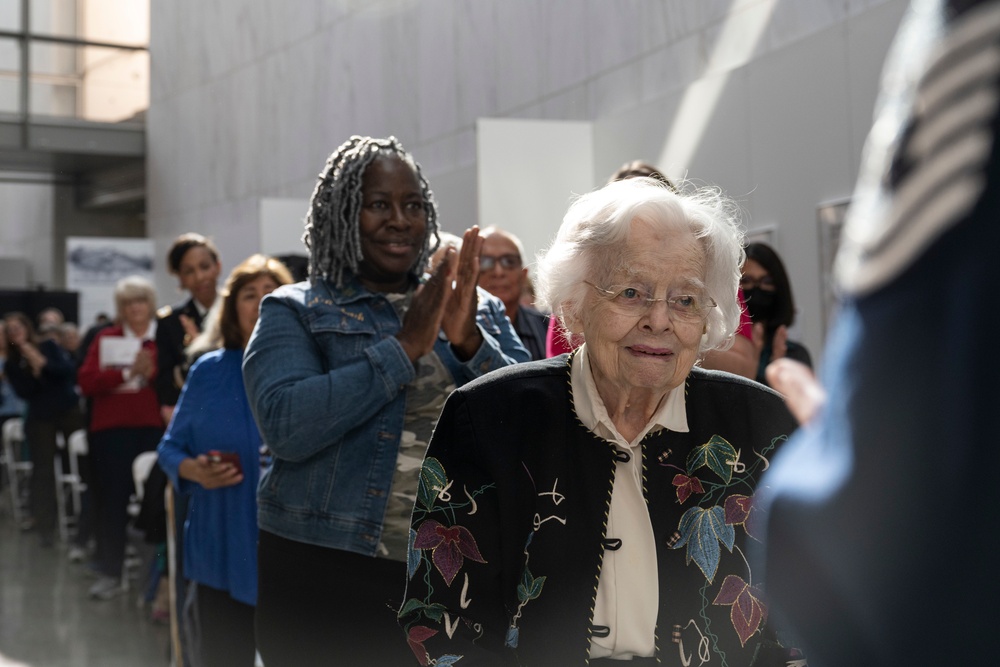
(318, 606)
(113, 452)
(41, 435)
(218, 629)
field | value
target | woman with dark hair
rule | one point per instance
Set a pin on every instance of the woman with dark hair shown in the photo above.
(44, 375)
(346, 374)
(769, 301)
(211, 451)
(194, 259)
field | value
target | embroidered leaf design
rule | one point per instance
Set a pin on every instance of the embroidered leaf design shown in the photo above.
(701, 531)
(449, 545)
(412, 555)
(513, 635)
(434, 611)
(432, 479)
(741, 510)
(686, 486)
(529, 588)
(416, 637)
(715, 453)
(748, 610)
(447, 659)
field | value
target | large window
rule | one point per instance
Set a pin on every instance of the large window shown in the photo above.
(85, 59)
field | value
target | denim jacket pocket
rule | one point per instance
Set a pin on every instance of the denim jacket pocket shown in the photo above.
(341, 332)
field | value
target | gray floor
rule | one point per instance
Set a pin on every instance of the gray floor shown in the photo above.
(46, 619)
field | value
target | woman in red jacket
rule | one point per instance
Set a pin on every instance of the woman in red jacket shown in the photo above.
(118, 375)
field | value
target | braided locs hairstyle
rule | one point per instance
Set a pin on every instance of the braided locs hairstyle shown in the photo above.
(331, 232)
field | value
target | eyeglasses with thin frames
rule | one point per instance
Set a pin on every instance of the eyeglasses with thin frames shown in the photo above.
(487, 262)
(636, 302)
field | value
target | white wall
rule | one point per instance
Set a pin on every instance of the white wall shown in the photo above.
(526, 191)
(248, 99)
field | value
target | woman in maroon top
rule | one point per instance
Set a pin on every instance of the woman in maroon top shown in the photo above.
(118, 375)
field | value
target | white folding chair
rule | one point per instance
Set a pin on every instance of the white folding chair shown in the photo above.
(141, 466)
(18, 469)
(69, 513)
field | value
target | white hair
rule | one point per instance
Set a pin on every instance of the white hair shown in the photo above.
(134, 288)
(593, 234)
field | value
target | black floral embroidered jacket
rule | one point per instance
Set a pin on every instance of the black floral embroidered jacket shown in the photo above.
(509, 528)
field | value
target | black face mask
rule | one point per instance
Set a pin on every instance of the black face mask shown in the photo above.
(760, 304)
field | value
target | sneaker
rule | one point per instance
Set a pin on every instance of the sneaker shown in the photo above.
(106, 588)
(76, 554)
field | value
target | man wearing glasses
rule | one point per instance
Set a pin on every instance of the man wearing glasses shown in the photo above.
(503, 274)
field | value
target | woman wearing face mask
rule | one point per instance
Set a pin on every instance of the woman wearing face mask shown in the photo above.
(772, 309)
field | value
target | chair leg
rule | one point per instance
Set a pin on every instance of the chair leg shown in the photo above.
(62, 517)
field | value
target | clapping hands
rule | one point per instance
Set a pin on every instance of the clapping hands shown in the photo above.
(447, 302)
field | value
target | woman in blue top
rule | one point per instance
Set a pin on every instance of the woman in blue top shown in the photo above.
(213, 420)
(346, 374)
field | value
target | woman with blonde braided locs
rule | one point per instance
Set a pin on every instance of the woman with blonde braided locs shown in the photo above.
(346, 374)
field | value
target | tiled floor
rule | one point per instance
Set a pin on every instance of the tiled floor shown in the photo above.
(46, 619)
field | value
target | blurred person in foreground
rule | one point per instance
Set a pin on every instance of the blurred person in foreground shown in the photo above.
(882, 538)
(346, 374)
(213, 416)
(596, 506)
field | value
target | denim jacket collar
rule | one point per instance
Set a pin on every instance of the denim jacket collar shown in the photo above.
(352, 290)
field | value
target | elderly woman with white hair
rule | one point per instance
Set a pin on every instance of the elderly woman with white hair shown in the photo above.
(118, 374)
(596, 506)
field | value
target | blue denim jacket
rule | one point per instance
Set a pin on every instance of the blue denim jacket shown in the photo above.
(326, 380)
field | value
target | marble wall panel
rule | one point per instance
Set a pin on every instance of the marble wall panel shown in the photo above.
(399, 93)
(564, 48)
(465, 148)
(335, 105)
(436, 98)
(520, 51)
(164, 42)
(571, 104)
(735, 41)
(613, 33)
(858, 6)
(661, 23)
(243, 169)
(476, 55)
(792, 21)
(435, 156)
(614, 90)
(665, 70)
(366, 65)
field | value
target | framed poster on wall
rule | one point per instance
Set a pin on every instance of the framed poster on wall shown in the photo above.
(95, 264)
(830, 217)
